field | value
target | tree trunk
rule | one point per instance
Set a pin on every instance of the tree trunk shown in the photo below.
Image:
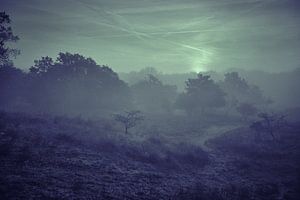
(272, 134)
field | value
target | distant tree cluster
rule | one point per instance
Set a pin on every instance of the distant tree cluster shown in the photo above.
(152, 95)
(241, 96)
(201, 93)
(76, 83)
(73, 84)
(268, 124)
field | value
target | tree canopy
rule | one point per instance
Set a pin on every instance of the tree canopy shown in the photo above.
(152, 95)
(6, 36)
(76, 83)
(239, 91)
(201, 93)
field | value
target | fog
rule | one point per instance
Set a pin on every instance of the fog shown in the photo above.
(72, 127)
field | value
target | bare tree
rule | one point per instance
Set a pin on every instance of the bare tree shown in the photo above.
(269, 123)
(129, 119)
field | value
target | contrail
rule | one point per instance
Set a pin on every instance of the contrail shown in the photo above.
(131, 28)
(140, 35)
(137, 34)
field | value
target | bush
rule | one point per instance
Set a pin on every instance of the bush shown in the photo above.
(190, 154)
(165, 155)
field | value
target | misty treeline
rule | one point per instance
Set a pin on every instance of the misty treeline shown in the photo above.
(61, 120)
(72, 84)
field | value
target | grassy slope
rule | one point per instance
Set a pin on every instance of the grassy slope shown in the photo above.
(56, 157)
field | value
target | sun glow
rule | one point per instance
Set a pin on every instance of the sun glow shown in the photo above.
(201, 62)
(198, 69)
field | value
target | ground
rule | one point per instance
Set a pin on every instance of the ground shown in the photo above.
(55, 158)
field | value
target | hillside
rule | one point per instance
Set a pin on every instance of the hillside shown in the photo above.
(45, 157)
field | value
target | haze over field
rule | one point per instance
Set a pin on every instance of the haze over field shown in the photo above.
(150, 99)
(171, 35)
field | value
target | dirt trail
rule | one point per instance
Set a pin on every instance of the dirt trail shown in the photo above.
(212, 132)
(201, 137)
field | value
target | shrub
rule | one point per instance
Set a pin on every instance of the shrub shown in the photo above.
(190, 154)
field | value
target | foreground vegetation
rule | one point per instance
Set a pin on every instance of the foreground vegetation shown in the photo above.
(72, 129)
(58, 157)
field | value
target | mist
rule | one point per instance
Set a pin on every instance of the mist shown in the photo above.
(149, 100)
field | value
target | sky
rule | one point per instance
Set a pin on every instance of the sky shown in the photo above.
(173, 36)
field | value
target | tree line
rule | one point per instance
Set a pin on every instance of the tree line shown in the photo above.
(73, 84)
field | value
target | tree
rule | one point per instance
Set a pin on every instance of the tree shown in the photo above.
(233, 81)
(151, 95)
(268, 123)
(12, 80)
(201, 93)
(239, 91)
(130, 119)
(74, 84)
(6, 36)
(134, 77)
(41, 66)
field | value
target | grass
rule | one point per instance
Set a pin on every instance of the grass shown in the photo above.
(72, 158)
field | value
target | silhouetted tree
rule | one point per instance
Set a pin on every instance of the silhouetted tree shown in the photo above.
(239, 91)
(42, 66)
(6, 36)
(201, 93)
(269, 123)
(74, 84)
(134, 77)
(233, 81)
(130, 119)
(12, 80)
(152, 95)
